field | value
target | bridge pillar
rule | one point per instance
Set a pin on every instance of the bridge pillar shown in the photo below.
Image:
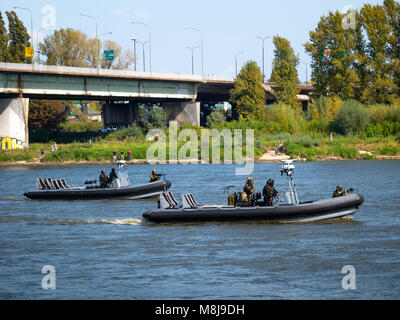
(182, 112)
(14, 133)
(119, 113)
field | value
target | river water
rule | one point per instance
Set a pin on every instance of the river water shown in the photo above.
(103, 249)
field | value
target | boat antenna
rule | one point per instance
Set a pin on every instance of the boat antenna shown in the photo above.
(288, 169)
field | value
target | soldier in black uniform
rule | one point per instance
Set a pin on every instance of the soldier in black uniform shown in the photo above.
(103, 180)
(154, 177)
(249, 190)
(113, 175)
(339, 192)
(269, 193)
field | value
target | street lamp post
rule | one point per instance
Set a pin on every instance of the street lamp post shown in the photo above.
(134, 50)
(144, 54)
(306, 64)
(236, 61)
(202, 48)
(192, 49)
(97, 40)
(22, 8)
(148, 27)
(263, 53)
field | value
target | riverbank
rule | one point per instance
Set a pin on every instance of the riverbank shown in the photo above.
(266, 158)
(301, 148)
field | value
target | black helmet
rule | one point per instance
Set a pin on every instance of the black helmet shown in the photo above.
(271, 182)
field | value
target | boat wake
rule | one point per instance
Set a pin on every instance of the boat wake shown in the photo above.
(130, 222)
(126, 222)
(35, 221)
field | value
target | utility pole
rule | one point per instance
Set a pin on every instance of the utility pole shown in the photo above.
(134, 51)
(263, 53)
(202, 49)
(236, 61)
(192, 49)
(148, 27)
(97, 40)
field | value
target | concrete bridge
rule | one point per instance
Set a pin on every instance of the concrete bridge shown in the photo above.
(180, 95)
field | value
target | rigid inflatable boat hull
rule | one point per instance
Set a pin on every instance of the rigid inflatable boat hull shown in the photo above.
(307, 212)
(144, 191)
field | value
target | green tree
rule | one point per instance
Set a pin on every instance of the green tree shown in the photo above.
(378, 30)
(18, 39)
(46, 114)
(248, 94)
(66, 47)
(392, 9)
(331, 48)
(361, 60)
(3, 40)
(284, 72)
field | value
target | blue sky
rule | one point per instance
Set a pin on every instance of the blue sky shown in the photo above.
(228, 27)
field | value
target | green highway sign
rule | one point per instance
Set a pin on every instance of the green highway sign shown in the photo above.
(108, 55)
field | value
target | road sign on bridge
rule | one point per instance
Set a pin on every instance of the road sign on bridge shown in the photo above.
(108, 55)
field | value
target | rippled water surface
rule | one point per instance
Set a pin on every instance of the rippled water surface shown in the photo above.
(103, 249)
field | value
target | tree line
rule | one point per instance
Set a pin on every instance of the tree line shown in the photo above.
(65, 47)
(14, 40)
(355, 56)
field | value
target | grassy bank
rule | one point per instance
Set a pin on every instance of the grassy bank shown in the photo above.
(308, 147)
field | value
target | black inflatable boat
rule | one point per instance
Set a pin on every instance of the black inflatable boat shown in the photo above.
(170, 211)
(51, 189)
(304, 212)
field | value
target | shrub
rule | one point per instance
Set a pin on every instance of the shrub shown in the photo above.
(388, 151)
(290, 119)
(324, 108)
(378, 113)
(344, 152)
(385, 129)
(133, 132)
(307, 142)
(352, 118)
(81, 126)
(216, 118)
(394, 113)
(15, 155)
(156, 118)
(44, 136)
(318, 126)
